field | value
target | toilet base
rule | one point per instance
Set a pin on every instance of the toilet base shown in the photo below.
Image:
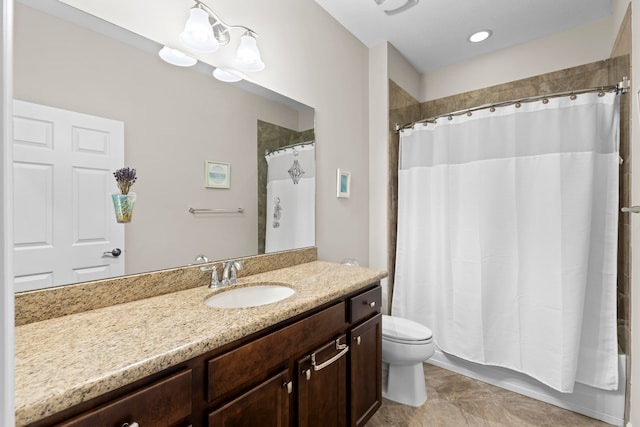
(406, 385)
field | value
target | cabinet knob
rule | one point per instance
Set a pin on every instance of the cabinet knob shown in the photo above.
(358, 340)
(289, 386)
(307, 374)
(133, 424)
(371, 304)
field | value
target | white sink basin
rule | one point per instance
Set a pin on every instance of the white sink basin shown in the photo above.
(250, 296)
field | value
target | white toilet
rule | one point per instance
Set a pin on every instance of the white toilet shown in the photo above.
(405, 345)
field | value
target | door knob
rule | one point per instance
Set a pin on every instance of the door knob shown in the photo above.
(114, 253)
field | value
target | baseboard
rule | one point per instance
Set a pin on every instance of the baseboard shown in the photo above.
(607, 406)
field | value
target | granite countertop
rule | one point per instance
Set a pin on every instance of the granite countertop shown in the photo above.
(64, 361)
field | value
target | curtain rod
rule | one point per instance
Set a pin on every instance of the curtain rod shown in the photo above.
(299, 144)
(621, 87)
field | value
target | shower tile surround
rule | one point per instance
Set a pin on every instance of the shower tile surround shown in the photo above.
(405, 109)
(36, 306)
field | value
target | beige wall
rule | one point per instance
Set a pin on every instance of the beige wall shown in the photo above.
(174, 118)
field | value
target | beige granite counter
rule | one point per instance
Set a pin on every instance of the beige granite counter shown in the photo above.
(63, 361)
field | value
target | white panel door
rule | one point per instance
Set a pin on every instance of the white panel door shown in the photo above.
(64, 224)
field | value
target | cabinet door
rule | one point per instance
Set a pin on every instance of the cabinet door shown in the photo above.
(266, 405)
(366, 370)
(322, 386)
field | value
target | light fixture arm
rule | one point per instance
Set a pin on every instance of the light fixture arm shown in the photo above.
(215, 21)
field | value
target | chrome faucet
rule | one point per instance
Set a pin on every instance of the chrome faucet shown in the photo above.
(229, 273)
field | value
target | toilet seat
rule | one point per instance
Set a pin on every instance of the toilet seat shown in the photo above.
(397, 329)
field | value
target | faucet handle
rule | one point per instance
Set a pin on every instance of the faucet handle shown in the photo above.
(214, 277)
(234, 266)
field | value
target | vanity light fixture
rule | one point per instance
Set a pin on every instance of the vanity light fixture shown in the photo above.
(480, 36)
(205, 32)
(175, 57)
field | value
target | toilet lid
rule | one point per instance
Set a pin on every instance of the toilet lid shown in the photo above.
(397, 328)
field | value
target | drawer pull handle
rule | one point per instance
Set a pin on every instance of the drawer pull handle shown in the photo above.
(289, 386)
(371, 304)
(133, 424)
(358, 339)
(344, 349)
(307, 374)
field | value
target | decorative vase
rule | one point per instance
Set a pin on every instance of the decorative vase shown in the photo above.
(123, 206)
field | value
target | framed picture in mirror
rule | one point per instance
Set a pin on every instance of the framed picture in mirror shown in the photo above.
(217, 174)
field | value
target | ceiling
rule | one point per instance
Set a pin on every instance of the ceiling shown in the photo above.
(433, 33)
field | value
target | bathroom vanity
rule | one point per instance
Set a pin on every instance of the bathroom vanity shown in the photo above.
(311, 359)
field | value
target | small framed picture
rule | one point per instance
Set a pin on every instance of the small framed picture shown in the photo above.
(343, 181)
(217, 174)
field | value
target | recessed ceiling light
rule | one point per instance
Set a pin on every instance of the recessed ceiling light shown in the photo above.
(479, 36)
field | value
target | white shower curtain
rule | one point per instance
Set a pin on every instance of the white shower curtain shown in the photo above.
(507, 237)
(291, 189)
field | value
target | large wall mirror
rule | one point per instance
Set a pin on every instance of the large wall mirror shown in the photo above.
(174, 120)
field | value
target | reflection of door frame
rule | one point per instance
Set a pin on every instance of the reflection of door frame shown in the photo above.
(63, 218)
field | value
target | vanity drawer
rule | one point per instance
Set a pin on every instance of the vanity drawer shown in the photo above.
(233, 371)
(365, 305)
(163, 403)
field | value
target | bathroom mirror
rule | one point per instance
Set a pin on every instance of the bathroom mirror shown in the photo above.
(176, 122)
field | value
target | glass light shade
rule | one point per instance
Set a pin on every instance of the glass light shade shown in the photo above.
(229, 76)
(248, 56)
(198, 34)
(175, 57)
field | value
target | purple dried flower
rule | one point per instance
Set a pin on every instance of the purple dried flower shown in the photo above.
(125, 178)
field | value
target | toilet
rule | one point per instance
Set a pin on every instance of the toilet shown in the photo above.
(405, 345)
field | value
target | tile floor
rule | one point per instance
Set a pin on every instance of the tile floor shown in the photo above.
(458, 401)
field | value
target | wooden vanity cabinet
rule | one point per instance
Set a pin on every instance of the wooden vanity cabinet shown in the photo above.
(317, 369)
(336, 358)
